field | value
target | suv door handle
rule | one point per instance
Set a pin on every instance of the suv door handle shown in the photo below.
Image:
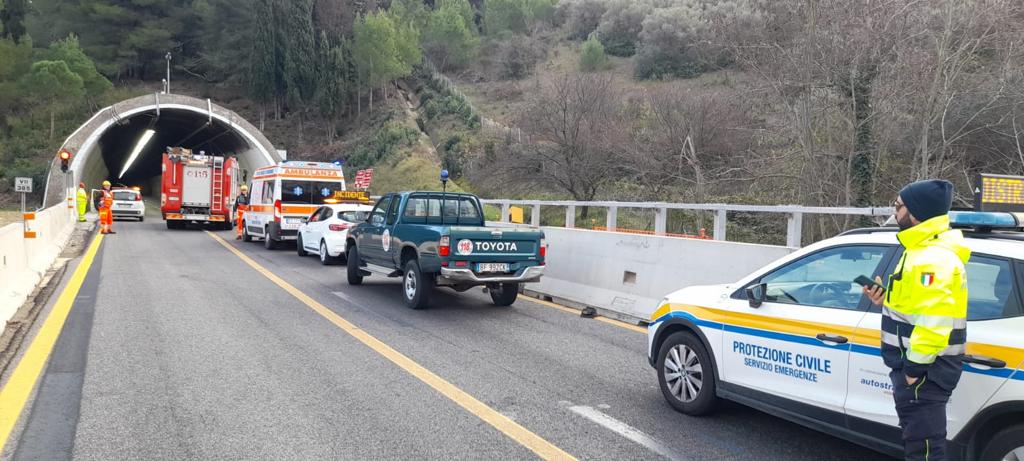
(832, 338)
(986, 361)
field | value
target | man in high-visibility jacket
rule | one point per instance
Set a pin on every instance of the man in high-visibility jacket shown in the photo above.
(106, 216)
(241, 206)
(83, 201)
(924, 316)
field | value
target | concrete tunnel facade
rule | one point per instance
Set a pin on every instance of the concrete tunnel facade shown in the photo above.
(103, 144)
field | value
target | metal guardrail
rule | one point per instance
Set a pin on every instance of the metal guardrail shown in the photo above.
(794, 227)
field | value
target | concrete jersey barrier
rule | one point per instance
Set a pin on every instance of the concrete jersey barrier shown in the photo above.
(24, 262)
(629, 274)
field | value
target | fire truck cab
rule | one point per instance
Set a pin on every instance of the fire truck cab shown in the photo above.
(281, 195)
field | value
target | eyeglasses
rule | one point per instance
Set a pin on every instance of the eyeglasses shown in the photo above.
(897, 205)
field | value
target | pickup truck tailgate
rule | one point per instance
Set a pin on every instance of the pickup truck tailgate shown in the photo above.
(493, 244)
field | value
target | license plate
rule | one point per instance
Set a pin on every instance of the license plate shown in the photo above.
(492, 267)
(293, 220)
(196, 217)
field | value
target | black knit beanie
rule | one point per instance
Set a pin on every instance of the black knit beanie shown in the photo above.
(928, 199)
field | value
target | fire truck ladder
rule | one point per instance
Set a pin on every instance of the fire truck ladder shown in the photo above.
(218, 186)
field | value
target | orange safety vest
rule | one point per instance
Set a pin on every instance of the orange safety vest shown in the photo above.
(107, 200)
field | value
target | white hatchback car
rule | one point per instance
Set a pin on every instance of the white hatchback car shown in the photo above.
(324, 232)
(799, 340)
(128, 204)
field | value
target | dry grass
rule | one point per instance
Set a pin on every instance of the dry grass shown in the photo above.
(8, 217)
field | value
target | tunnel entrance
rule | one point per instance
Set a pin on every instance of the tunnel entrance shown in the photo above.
(172, 128)
(104, 145)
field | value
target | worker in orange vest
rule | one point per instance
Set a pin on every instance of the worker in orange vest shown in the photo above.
(241, 206)
(106, 216)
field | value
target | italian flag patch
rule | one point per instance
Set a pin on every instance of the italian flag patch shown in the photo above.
(927, 279)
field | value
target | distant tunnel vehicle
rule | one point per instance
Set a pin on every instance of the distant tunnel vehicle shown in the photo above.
(197, 188)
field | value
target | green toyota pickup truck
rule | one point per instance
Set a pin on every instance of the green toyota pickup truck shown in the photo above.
(433, 239)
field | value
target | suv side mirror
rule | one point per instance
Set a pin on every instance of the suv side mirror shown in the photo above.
(756, 294)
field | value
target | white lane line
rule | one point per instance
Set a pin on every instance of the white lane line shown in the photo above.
(627, 431)
(346, 297)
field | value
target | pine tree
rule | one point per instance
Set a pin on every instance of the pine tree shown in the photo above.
(53, 83)
(265, 67)
(377, 52)
(12, 18)
(226, 35)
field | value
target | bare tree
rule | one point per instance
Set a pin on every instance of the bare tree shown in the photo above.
(569, 123)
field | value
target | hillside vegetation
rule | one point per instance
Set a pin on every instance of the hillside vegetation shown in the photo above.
(828, 103)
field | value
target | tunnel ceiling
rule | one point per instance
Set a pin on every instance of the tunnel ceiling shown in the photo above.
(173, 127)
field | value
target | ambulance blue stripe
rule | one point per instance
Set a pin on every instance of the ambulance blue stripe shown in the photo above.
(858, 348)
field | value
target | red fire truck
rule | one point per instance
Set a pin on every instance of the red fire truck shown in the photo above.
(197, 188)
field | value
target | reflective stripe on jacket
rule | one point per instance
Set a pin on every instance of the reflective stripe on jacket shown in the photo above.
(924, 319)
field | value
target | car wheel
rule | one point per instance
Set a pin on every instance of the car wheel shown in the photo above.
(415, 286)
(1006, 445)
(686, 375)
(325, 257)
(268, 241)
(301, 250)
(245, 233)
(505, 294)
(354, 277)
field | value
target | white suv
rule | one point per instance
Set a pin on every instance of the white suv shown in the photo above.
(797, 339)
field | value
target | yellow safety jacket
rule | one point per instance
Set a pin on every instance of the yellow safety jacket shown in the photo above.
(83, 200)
(924, 319)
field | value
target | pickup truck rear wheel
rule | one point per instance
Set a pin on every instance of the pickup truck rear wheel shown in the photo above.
(416, 287)
(504, 294)
(354, 277)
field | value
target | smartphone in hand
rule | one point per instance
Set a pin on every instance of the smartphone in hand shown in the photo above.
(865, 282)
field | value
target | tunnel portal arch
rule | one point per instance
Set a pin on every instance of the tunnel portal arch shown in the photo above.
(203, 120)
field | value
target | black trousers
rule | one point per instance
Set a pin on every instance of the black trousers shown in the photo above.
(922, 411)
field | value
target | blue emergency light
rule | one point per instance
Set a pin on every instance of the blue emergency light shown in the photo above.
(987, 219)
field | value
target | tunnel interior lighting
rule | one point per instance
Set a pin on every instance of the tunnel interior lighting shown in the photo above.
(146, 136)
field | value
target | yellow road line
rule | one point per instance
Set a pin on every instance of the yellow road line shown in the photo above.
(17, 390)
(618, 323)
(513, 430)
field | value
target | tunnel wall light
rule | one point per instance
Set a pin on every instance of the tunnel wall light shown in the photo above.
(143, 140)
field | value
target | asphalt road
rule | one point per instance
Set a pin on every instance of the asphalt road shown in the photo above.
(176, 348)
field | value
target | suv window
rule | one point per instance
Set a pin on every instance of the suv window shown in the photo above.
(825, 278)
(991, 289)
(353, 216)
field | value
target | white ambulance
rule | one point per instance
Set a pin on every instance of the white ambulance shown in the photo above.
(281, 195)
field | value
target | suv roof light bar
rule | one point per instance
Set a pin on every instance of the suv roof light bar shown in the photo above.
(985, 219)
